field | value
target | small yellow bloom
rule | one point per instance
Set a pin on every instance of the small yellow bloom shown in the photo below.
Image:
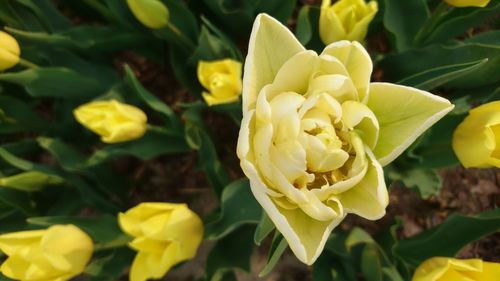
(30, 181)
(449, 269)
(468, 3)
(112, 120)
(9, 51)
(345, 20)
(476, 140)
(164, 235)
(57, 253)
(222, 79)
(152, 13)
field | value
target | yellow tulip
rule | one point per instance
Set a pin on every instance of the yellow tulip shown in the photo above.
(9, 51)
(152, 13)
(449, 269)
(315, 133)
(222, 79)
(112, 120)
(30, 181)
(164, 235)
(468, 3)
(57, 253)
(345, 20)
(476, 141)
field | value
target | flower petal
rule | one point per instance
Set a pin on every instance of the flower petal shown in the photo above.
(368, 198)
(305, 235)
(356, 60)
(271, 45)
(403, 113)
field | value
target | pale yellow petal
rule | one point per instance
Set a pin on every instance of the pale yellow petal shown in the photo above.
(356, 60)
(369, 197)
(403, 113)
(271, 45)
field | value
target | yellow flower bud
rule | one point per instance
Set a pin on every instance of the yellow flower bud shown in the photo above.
(468, 3)
(449, 269)
(9, 51)
(345, 20)
(164, 235)
(222, 79)
(476, 140)
(54, 254)
(152, 13)
(30, 181)
(112, 120)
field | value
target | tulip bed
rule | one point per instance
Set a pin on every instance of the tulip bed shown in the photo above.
(226, 140)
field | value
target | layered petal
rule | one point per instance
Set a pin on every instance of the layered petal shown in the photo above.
(271, 45)
(403, 113)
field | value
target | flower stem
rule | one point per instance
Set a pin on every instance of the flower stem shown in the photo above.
(27, 63)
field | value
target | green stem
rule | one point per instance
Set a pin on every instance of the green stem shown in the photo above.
(27, 64)
(118, 243)
(181, 36)
(161, 130)
(432, 22)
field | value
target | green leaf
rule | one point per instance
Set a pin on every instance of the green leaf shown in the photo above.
(19, 117)
(47, 13)
(152, 144)
(434, 149)
(435, 77)
(448, 238)
(153, 102)
(231, 252)
(110, 265)
(104, 230)
(18, 200)
(371, 265)
(404, 19)
(402, 65)
(279, 9)
(264, 228)
(88, 38)
(304, 30)
(459, 20)
(210, 47)
(426, 181)
(238, 207)
(55, 82)
(278, 247)
(487, 37)
(234, 16)
(198, 139)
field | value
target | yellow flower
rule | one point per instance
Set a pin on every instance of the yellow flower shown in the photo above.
(9, 51)
(222, 79)
(315, 133)
(476, 140)
(448, 269)
(468, 3)
(54, 254)
(152, 13)
(345, 20)
(164, 235)
(30, 181)
(112, 120)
